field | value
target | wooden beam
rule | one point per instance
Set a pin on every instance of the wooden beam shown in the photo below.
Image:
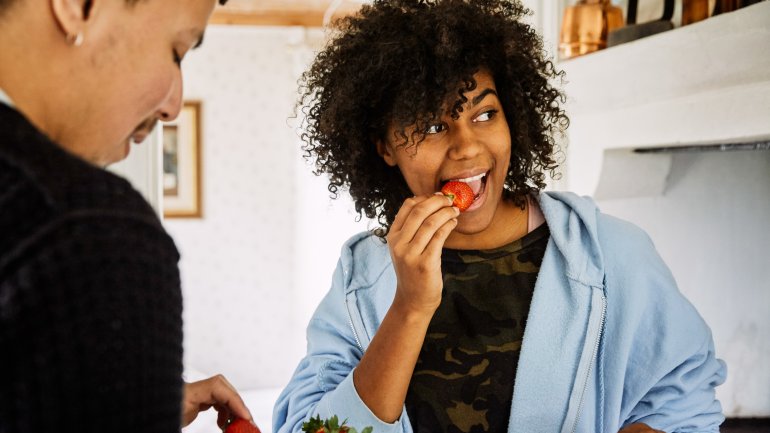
(274, 16)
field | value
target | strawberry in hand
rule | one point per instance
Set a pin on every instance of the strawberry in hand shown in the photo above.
(461, 194)
(240, 425)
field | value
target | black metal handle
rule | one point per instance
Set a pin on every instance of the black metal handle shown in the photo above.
(633, 7)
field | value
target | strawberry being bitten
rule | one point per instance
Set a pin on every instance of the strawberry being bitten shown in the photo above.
(462, 195)
(241, 426)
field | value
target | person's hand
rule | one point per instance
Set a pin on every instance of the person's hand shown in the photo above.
(639, 428)
(416, 238)
(214, 392)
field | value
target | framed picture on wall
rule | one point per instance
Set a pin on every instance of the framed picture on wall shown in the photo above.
(182, 163)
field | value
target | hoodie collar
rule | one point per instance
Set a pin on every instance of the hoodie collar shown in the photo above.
(573, 223)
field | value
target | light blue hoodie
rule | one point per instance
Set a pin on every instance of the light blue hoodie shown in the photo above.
(609, 340)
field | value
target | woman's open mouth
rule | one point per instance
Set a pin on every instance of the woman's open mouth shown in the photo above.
(478, 184)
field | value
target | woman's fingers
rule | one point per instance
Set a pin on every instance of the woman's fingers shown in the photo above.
(405, 210)
(431, 227)
(436, 243)
(418, 214)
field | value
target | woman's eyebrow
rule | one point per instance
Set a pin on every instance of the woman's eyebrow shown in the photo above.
(478, 98)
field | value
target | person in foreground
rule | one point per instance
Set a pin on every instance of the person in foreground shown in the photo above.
(528, 312)
(90, 303)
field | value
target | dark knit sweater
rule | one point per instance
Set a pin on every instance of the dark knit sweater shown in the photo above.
(90, 302)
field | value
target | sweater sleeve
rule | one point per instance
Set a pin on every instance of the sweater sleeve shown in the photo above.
(91, 329)
(683, 400)
(322, 384)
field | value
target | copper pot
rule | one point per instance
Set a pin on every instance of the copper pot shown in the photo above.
(585, 27)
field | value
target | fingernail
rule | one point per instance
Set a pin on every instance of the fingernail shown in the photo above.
(456, 209)
(438, 193)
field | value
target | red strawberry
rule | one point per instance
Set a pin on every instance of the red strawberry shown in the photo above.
(241, 426)
(461, 194)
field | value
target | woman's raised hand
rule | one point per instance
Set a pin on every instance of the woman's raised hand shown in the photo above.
(416, 238)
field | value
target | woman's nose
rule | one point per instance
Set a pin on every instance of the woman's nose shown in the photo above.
(464, 144)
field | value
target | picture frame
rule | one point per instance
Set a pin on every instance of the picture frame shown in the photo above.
(182, 195)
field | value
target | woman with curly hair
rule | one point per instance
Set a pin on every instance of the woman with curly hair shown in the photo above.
(526, 312)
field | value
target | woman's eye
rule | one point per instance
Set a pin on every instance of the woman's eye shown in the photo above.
(485, 116)
(435, 129)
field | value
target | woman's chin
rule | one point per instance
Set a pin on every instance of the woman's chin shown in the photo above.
(474, 222)
(472, 225)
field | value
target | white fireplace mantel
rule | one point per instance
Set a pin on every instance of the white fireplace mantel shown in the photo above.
(706, 83)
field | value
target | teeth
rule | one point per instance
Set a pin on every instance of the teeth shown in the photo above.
(471, 179)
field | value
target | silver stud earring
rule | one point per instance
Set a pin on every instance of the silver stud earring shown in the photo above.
(76, 40)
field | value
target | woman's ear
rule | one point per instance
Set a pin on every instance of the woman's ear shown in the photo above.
(386, 152)
(71, 15)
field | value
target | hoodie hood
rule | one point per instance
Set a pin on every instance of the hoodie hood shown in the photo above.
(573, 223)
(565, 321)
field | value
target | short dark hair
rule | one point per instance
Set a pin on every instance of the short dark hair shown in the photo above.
(403, 62)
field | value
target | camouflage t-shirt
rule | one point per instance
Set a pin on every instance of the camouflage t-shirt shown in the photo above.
(464, 377)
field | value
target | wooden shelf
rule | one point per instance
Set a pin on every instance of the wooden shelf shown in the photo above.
(706, 83)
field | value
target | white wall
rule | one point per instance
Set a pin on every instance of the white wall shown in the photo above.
(242, 262)
(143, 168)
(711, 228)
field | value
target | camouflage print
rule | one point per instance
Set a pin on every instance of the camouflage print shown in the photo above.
(464, 377)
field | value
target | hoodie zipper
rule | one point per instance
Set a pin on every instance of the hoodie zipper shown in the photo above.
(352, 327)
(590, 365)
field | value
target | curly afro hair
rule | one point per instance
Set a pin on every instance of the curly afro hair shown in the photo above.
(409, 62)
